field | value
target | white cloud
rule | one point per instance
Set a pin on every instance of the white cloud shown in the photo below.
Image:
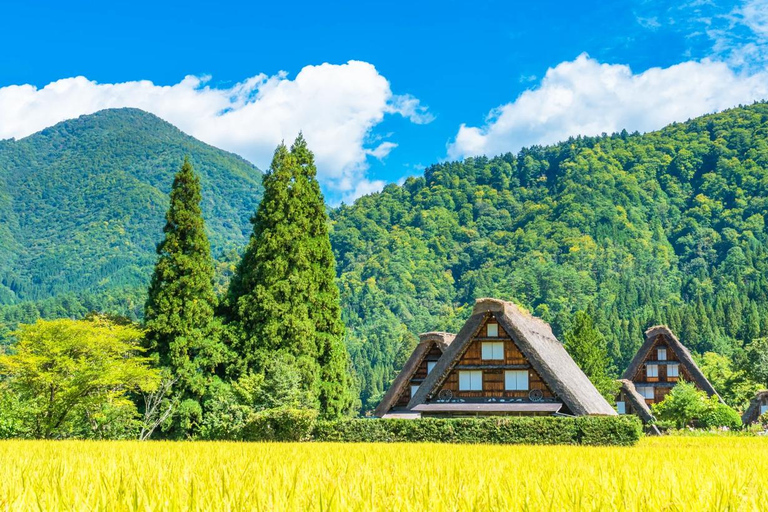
(336, 106)
(585, 97)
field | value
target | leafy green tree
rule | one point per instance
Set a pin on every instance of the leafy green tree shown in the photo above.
(588, 348)
(179, 310)
(755, 361)
(284, 294)
(732, 383)
(72, 377)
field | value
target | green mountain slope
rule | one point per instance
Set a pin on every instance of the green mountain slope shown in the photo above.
(666, 227)
(82, 204)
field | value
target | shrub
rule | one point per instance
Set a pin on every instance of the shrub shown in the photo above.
(280, 424)
(763, 420)
(625, 430)
(720, 415)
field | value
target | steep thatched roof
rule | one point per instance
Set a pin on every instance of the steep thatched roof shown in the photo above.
(752, 413)
(636, 400)
(426, 341)
(682, 353)
(535, 340)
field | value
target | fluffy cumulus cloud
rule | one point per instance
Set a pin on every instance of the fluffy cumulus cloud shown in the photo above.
(586, 97)
(336, 106)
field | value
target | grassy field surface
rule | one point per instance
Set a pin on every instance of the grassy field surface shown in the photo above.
(660, 474)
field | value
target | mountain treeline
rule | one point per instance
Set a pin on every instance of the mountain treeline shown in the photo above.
(635, 229)
(665, 227)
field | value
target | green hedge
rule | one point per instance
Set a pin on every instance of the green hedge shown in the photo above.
(605, 430)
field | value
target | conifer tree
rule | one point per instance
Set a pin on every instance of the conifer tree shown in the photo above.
(589, 350)
(284, 295)
(180, 307)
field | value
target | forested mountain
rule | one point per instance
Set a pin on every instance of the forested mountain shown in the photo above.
(665, 227)
(82, 207)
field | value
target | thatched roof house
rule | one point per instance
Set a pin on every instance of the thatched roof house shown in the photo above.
(757, 407)
(424, 357)
(660, 363)
(505, 361)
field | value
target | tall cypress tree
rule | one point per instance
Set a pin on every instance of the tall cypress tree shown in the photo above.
(179, 310)
(284, 294)
(589, 350)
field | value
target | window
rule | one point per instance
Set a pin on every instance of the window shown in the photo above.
(662, 354)
(621, 407)
(414, 389)
(471, 381)
(646, 392)
(516, 380)
(430, 365)
(652, 370)
(492, 330)
(763, 409)
(673, 370)
(493, 350)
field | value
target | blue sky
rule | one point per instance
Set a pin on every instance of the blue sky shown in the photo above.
(407, 83)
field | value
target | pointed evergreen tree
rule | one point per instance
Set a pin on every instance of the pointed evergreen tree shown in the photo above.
(284, 295)
(179, 311)
(588, 348)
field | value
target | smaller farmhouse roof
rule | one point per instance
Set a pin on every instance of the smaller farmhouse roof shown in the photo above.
(752, 413)
(680, 350)
(426, 341)
(535, 340)
(636, 400)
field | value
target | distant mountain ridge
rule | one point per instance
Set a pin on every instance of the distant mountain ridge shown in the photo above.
(82, 203)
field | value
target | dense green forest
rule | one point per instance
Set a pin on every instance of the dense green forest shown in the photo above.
(82, 204)
(665, 227)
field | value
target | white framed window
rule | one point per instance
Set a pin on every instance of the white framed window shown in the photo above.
(431, 365)
(646, 392)
(763, 409)
(662, 354)
(414, 389)
(493, 350)
(516, 380)
(652, 370)
(492, 330)
(621, 407)
(471, 380)
(673, 370)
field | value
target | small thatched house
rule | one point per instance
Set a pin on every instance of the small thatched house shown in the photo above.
(631, 402)
(506, 362)
(757, 407)
(423, 359)
(658, 365)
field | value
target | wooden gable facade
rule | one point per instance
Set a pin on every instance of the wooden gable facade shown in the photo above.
(505, 361)
(425, 366)
(660, 363)
(492, 368)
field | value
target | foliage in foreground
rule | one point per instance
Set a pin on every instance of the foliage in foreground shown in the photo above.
(686, 406)
(71, 378)
(709, 474)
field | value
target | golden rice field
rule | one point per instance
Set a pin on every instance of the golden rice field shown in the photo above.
(661, 474)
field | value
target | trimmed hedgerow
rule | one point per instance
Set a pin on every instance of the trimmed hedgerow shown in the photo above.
(602, 430)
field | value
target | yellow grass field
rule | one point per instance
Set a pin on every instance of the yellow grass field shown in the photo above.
(660, 474)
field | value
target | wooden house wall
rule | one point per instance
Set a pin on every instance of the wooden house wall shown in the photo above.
(493, 370)
(419, 375)
(660, 391)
